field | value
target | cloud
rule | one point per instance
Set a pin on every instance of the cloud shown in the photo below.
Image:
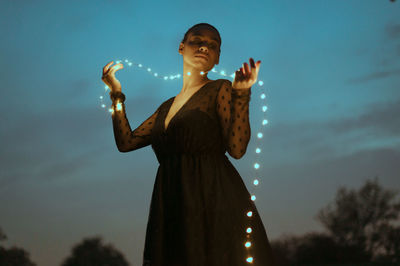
(378, 126)
(374, 76)
(392, 31)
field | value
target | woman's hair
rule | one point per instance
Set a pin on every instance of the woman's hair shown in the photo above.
(203, 24)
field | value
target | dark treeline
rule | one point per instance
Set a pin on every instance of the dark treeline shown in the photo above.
(359, 228)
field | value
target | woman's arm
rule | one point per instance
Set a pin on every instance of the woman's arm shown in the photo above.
(233, 112)
(126, 139)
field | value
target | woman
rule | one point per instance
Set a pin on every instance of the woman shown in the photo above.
(198, 211)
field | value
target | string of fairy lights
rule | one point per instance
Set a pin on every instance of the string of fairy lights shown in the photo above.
(262, 124)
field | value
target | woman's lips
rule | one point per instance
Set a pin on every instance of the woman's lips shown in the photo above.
(203, 56)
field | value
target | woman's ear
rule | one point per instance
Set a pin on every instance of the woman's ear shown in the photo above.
(181, 45)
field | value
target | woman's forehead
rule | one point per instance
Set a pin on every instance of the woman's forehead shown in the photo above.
(205, 32)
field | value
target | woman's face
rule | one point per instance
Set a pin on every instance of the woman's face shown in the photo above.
(201, 49)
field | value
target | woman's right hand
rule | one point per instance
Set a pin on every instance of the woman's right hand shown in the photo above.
(109, 76)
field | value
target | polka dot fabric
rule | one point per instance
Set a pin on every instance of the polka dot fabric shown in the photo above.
(233, 112)
(198, 207)
(126, 139)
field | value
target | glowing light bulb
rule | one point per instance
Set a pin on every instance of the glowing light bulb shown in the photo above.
(119, 106)
(172, 77)
(247, 244)
(262, 96)
(249, 259)
(255, 182)
(260, 83)
(265, 121)
(250, 213)
(201, 73)
(140, 65)
(253, 198)
(129, 63)
(256, 165)
(188, 73)
(149, 69)
(155, 74)
(259, 135)
(264, 108)
(103, 105)
(248, 230)
(101, 97)
(258, 150)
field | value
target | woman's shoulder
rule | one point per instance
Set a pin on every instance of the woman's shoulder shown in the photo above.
(222, 83)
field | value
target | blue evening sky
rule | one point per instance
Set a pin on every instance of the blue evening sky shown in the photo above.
(331, 75)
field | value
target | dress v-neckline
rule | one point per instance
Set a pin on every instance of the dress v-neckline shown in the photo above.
(165, 127)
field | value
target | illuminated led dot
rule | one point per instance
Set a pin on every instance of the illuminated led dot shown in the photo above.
(101, 97)
(264, 108)
(265, 121)
(256, 165)
(259, 135)
(258, 150)
(140, 65)
(106, 87)
(253, 198)
(213, 70)
(201, 73)
(262, 96)
(111, 110)
(129, 63)
(248, 230)
(149, 69)
(255, 182)
(188, 73)
(250, 213)
(155, 74)
(223, 73)
(249, 259)
(165, 77)
(103, 105)
(260, 83)
(119, 106)
(171, 77)
(248, 244)
(233, 75)
(179, 75)
(117, 62)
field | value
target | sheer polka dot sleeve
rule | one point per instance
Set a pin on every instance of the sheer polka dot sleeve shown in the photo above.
(126, 139)
(233, 112)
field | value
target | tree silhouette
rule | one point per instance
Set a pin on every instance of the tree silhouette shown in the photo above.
(13, 256)
(92, 252)
(359, 231)
(363, 219)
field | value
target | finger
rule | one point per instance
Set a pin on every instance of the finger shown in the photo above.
(252, 64)
(258, 65)
(105, 69)
(247, 69)
(115, 68)
(238, 74)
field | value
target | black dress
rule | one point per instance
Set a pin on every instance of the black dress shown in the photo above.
(199, 207)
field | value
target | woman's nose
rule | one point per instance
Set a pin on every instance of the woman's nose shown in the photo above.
(203, 48)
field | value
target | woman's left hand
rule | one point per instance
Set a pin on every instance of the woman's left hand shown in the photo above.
(246, 77)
